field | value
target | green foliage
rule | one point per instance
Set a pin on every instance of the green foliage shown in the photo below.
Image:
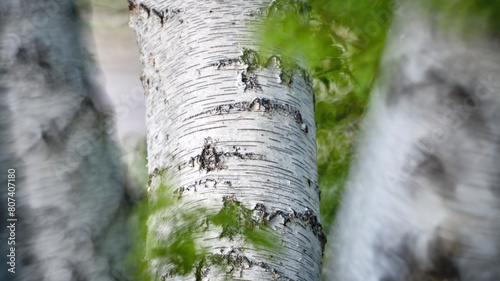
(236, 221)
(182, 246)
(340, 43)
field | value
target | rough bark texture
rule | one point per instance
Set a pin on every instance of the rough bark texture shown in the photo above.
(70, 199)
(225, 126)
(423, 200)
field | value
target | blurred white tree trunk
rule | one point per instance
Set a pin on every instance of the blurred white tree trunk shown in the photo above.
(225, 127)
(70, 199)
(423, 199)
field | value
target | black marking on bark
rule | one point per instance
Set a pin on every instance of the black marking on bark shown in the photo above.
(145, 8)
(131, 5)
(298, 116)
(224, 62)
(156, 172)
(204, 183)
(250, 81)
(160, 15)
(307, 217)
(236, 261)
(211, 158)
(257, 104)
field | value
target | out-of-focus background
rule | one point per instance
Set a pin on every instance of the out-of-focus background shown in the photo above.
(114, 45)
(116, 72)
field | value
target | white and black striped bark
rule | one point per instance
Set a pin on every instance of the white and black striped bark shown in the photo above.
(224, 126)
(70, 199)
(423, 202)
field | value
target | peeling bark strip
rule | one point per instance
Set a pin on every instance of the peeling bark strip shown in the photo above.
(208, 126)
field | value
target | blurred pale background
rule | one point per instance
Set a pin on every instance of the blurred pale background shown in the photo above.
(114, 46)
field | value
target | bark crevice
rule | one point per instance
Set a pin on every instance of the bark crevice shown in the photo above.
(308, 218)
(258, 104)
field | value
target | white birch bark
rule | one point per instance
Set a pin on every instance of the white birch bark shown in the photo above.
(423, 199)
(226, 128)
(70, 199)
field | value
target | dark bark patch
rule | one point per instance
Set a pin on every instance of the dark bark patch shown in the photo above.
(76, 274)
(204, 183)
(43, 54)
(238, 262)
(250, 81)
(155, 173)
(225, 62)
(22, 55)
(401, 262)
(131, 5)
(145, 8)
(211, 158)
(429, 171)
(51, 136)
(308, 218)
(160, 15)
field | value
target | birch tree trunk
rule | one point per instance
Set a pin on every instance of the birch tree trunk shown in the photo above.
(69, 192)
(423, 199)
(226, 128)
